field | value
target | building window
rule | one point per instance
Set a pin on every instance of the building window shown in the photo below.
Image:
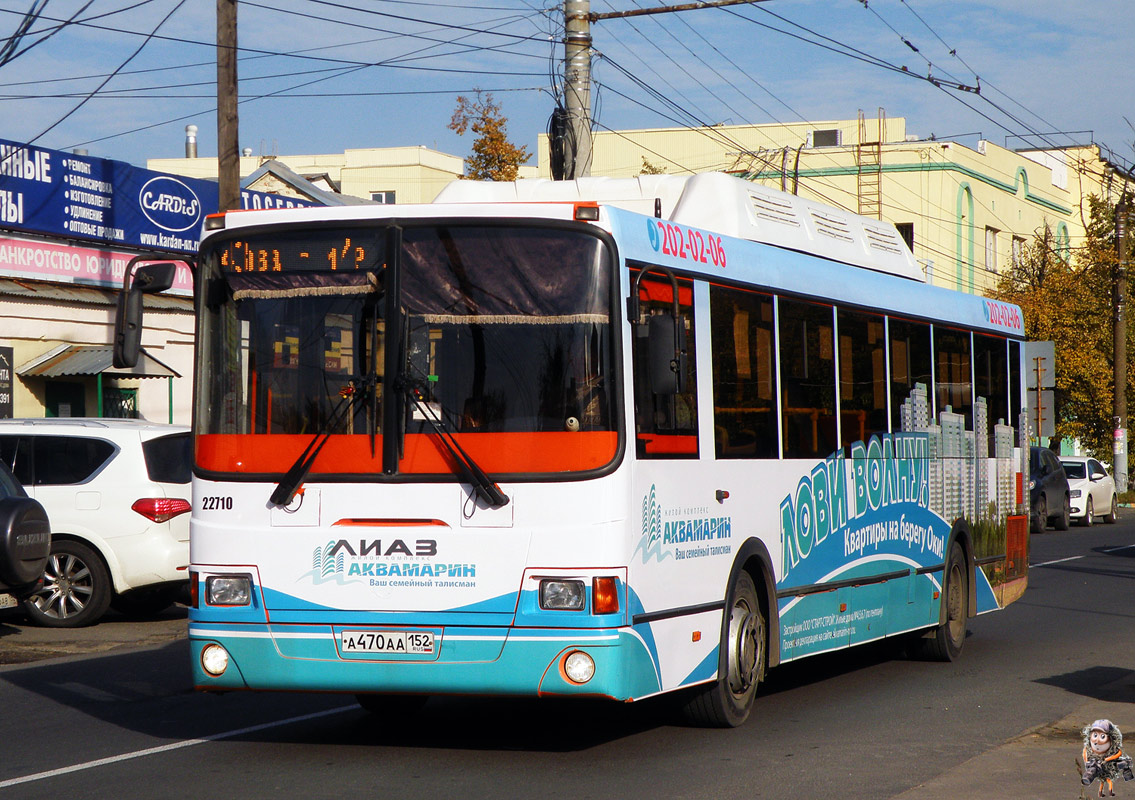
(122, 403)
(991, 249)
(383, 197)
(906, 231)
(1018, 250)
(825, 138)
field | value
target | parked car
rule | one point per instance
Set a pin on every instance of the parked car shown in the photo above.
(1049, 497)
(1091, 489)
(116, 492)
(25, 541)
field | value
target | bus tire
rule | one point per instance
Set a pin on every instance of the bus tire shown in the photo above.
(946, 641)
(392, 705)
(726, 702)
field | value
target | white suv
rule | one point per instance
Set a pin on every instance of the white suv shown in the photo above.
(116, 492)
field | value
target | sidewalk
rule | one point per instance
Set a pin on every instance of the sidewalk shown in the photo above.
(1040, 763)
(21, 643)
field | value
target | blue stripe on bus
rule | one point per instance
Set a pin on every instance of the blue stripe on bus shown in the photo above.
(527, 662)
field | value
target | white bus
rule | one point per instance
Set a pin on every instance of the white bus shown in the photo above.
(609, 438)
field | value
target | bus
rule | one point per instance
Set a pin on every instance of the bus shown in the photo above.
(603, 438)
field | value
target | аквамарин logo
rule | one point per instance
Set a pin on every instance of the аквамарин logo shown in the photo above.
(680, 532)
(391, 562)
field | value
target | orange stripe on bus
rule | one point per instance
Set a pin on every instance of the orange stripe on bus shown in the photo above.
(510, 452)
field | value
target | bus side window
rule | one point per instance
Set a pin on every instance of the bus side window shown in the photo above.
(910, 374)
(808, 380)
(744, 374)
(862, 376)
(666, 425)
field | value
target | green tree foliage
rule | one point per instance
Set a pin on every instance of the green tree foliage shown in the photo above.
(494, 157)
(1069, 301)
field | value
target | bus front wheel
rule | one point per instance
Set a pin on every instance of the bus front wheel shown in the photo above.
(726, 702)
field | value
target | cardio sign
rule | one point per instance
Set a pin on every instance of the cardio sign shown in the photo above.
(170, 204)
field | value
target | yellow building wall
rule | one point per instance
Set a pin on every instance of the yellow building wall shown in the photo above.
(414, 174)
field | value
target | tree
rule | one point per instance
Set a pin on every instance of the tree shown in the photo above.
(494, 157)
(1070, 302)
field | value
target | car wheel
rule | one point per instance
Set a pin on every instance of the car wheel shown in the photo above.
(1112, 515)
(726, 702)
(76, 588)
(1040, 515)
(1089, 512)
(1061, 523)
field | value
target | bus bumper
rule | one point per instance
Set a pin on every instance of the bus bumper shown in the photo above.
(488, 661)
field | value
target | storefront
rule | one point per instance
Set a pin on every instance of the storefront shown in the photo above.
(69, 226)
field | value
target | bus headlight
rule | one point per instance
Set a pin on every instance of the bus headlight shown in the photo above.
(228, 590)
(557, 595)
(579, 667)
(214, 659)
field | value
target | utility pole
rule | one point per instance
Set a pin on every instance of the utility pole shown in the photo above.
(228, 130)
(577, 72)
(1119, 343)
(577, 87)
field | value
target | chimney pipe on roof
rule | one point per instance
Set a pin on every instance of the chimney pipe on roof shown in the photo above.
(191, 141)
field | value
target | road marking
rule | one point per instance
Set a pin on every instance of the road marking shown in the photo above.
(1074, 558)
(165, 748)
(1057, 561)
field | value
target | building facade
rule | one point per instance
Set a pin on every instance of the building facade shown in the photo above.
(378, 174)
(69, 227)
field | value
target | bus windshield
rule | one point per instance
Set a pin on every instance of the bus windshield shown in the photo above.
(377, 336)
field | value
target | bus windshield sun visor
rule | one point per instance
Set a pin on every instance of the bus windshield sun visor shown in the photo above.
(268, 286)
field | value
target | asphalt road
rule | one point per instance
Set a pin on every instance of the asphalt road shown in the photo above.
(867, 723)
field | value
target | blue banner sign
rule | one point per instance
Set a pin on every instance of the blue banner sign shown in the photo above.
(56, 193)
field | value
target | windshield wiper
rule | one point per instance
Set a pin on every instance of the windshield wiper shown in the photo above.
(482, 484)
(286, 489)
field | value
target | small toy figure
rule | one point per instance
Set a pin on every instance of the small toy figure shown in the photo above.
(1103, 756)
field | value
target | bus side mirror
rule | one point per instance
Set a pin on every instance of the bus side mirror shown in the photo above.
(666, 342)
(128, 315)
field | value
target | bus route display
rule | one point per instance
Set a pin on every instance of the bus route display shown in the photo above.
(314, 251)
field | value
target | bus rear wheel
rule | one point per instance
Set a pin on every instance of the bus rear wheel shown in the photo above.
(945, 643)
(726, 702)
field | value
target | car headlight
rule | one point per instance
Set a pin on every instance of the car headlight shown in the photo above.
(1074, 493)
(228, 590)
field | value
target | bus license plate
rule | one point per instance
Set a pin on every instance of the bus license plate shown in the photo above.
(415, 642)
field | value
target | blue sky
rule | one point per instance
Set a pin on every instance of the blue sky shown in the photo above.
(320, 76)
